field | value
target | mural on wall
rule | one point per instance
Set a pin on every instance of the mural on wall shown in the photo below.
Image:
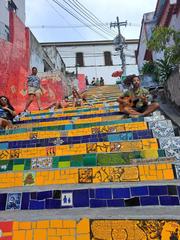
(14, 69)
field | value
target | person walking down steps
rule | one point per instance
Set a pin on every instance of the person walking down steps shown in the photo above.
(34, 89)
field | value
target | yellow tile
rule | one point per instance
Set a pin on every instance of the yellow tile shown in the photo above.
(69, 223)
(160, 175)
(83, 226)
(15, 225)
(51, 232)
(83, 237)
(168, 174)
(53, 238)
(63, 232)
(68, 237)
(40, 234)
(17, 235)
(24, 225)
(29, 235)
(43, 224)
(56, 224)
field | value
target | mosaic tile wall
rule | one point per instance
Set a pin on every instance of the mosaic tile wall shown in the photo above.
(92, 146)
(91, 229)
(150, 172)
(146, 195)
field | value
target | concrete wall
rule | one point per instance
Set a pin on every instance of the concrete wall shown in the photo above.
(38, 57)
(56, 58)
(173, 86)
(94, 64)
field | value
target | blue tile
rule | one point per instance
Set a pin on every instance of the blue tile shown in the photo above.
(91, 193)
(97, 203)
(172, 190)
(169, 201)
(103, 193)
(33, 195)
(36, 205)
(132, 202)
(44, 195)
(25, 200)
(3, 198)
(115, 203)
(158, 190)
(81, 198)
(148, 201)
(52, 203)
(121, 193)
(139, 191)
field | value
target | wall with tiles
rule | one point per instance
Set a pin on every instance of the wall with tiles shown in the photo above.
(86, 229)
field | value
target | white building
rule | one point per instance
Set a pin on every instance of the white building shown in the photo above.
(18, 6)
(96, 58)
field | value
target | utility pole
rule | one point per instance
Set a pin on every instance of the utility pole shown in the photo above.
(121, 42)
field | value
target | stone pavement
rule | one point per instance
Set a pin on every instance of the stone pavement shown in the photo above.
(90, 173)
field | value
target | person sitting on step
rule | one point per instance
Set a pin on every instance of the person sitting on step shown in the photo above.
(7, 113)
(136, 101)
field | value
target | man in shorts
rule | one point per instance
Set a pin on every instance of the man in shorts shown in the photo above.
(34, 89)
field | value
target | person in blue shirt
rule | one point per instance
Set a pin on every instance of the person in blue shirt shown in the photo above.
(7, 113)
(34, 89)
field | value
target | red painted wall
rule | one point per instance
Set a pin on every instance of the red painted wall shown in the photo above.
(14, 62)
(14, 69)
(81, 82)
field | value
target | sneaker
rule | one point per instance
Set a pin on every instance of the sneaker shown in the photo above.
(24, 114)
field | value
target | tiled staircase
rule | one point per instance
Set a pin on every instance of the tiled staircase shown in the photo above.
(90, 173)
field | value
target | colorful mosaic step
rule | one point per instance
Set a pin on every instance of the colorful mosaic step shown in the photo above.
(151, 172)
(142, 196)
(86, 229)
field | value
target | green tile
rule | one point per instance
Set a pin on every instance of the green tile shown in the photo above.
(18, 161)
(27, 164)
(161, 153)
(75, 163)
(55, 162)
(90, 160)
(10, 165)
(19, 167)
(112, 159)
(64, 164)
(4, 166)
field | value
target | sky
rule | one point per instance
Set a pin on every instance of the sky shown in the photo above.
(47, 13)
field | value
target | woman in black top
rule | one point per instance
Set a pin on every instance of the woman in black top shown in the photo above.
(7, 112)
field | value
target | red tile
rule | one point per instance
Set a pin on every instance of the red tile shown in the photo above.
(5, 238)
(6, 226)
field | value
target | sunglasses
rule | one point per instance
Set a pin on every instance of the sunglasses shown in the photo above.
(3, 99)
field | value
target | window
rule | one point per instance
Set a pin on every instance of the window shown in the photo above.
(108, 59)
(79, 59)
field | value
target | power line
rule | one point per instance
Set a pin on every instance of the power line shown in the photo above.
(88, 13)
(63, 18)
(76, 26)
(81, 13)
(80, 20)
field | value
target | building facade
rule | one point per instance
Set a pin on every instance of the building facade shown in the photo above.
(18, 7)
(96, 59)
(166, 14)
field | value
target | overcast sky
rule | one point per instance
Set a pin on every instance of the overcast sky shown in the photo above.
(47, 13)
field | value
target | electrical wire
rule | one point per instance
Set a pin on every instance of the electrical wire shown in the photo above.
(84, 16)
(90, 15)
(63, 19)
(80, 20)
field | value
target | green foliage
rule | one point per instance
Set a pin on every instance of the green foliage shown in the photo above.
(165, 68)
(167, 40)
(149, 68)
